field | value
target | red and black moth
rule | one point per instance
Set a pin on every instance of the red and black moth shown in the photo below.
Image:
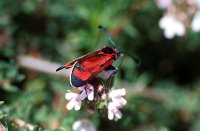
(90, 65)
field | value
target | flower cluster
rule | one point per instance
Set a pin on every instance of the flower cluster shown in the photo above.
(75, 99)
(171, 26)
(117, 102)
(96, 92)
(177, 17)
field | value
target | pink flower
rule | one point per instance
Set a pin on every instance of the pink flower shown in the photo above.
(116, 97)
(75, 100)
(171, 26)
(113, 111)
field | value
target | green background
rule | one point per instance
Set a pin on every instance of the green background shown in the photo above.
(163, 93)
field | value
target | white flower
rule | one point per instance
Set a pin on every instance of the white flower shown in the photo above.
(117, 99)
(75, 100)
(88, 91)
(117, 102)
(113, 111)
(83, 125)
(171, 26)
(163, 4)
(196, 22)
(198, 2)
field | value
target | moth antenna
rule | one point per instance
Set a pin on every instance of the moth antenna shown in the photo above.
(60, 68)
(107, 34)
(138, 62)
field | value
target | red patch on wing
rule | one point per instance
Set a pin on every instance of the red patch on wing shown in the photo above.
(87, 69)
(84, 75)
(82, 58)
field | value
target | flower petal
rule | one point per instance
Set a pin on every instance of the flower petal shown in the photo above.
(90, 93)
(180, 29)
(71, 104)
(70, 95)
(113, 111)
(118, 114)
(195, 22)
(163, 4)
(110, 111)
(169, 34)
(119, 102)
(110, 115)
(78, 105)
(172, 26)
(83, 95)
(118, 92)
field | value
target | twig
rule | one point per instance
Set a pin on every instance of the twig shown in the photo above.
(41, 65)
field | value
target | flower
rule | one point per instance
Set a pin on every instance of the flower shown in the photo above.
(75, 99)
(171, 26)
(197, 2)
(87, 91)
(113, 111)
(117, 99)
(83, 125)
(196, 22)
(117, 102)
(163, 4)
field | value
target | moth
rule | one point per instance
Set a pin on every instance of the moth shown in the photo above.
(94, 64)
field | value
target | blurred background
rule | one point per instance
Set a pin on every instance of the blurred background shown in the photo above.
(36, 36)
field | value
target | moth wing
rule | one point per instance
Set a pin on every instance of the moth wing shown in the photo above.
(82, 58)
(84, 70)
(76, 81)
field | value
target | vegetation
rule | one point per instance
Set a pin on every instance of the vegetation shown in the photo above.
(162, 94)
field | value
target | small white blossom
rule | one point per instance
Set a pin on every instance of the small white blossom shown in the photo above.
(75, 100)
(83, 125)
(117, 102)
(196, 22)
(163, 4)
(113, 111)
(197, 2)
(171, 26)
(117, 99)
(88, 91)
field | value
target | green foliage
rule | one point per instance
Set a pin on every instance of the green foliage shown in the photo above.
(164, 92)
